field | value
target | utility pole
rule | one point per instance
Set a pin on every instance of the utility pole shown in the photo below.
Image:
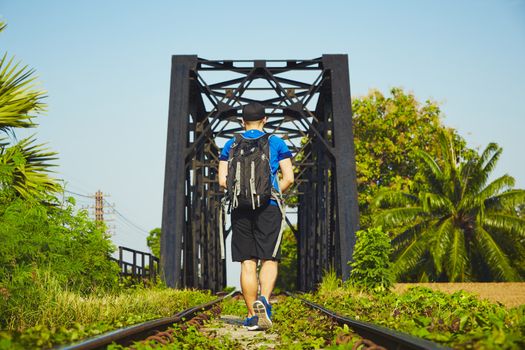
(101, 210)
(99, 206)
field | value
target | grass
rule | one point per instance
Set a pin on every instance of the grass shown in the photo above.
(297, 326)
(510, 294)
(460, 320)
(57, 316)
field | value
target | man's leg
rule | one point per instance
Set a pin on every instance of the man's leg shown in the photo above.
(267, 229)
(243, 250)
(249, 283)
(268, 276)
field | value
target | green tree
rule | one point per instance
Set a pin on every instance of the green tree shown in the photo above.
(460, 227)
(153, 241)
(388, 133)
(24, 165)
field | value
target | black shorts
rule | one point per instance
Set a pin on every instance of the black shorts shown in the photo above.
(255, 233)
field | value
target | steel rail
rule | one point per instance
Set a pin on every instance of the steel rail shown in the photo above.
(125, 336)
(386, 337)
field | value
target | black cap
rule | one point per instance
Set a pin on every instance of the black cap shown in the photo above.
(253, 111)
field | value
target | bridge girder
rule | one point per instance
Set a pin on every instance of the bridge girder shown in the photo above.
(308, 104)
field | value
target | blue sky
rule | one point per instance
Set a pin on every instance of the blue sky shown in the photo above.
(106, 66)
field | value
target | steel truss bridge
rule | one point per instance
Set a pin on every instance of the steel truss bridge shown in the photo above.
(307, 103)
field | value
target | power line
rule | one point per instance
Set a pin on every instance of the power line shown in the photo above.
(129, 221)
(122, 216)
(78, 194)
(125, 226)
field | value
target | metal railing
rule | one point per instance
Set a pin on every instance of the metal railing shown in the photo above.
(142, 266)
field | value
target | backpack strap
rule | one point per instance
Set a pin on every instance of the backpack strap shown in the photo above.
(231, 196)
(267, 136)
(238, 138)
(221, 228)
(277, 196)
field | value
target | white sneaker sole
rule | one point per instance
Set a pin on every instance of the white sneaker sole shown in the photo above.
(252, 328)
(260, 310)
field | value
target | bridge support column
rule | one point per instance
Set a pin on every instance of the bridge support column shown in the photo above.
(173, 213)
(344, 153)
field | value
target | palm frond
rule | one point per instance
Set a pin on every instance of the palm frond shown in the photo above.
(442, 143)
(398, 216)
(473, 200)
(431, 163)
(389, 197)
(456, 263)
(485, 165)
(19, 98)
(30, 165)
(411, 256)
(400, 242)
(441, 242)
(448, 153)
(492, 151)
(432, 202)
(505, 222)
(495, 187)
(496, 258)
(510, 199)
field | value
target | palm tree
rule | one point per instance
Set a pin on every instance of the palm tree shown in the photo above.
(460, 227)
(24, 165)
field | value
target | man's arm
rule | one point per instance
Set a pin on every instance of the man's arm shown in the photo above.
(223, 163)
(287, 171)
(223, 172)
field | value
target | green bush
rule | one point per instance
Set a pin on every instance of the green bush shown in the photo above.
(371, 264)
(55, 238)
(45, 246)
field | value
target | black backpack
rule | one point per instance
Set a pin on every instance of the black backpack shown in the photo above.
(248, 181)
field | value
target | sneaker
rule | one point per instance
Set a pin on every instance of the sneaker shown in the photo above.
(263, 310)
(251, 323)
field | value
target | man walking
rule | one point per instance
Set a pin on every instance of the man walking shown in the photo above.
(248, 166)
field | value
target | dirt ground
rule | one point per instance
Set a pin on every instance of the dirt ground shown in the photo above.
(509, 294)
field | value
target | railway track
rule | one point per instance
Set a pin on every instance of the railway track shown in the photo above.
(126, 336)
(373, 337)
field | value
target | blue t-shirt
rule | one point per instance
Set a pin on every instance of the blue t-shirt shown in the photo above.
(278, 151)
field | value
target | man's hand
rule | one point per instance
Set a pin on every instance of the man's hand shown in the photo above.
(287, 171)
(223, 172)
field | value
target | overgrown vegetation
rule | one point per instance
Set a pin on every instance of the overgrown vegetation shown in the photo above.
(187, 338)
(458, 226)
(46, 243)
(299, 327)
(459, 320)
(371, 264)
(57, 283)
(39, 239)
(73, 316)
